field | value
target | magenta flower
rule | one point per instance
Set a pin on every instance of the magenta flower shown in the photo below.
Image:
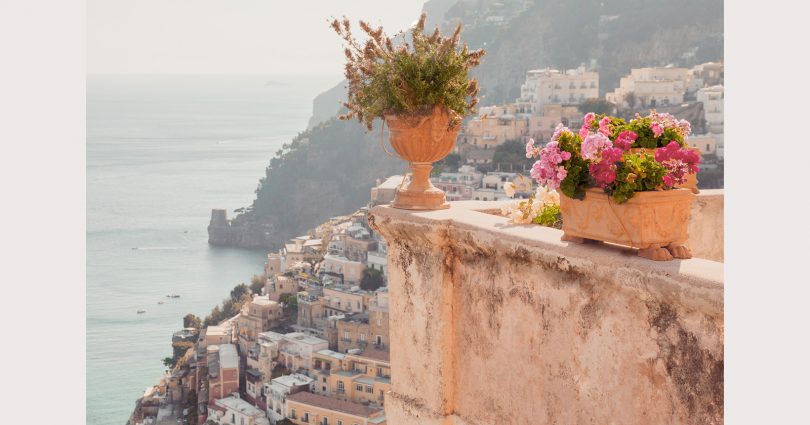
(678, 161)
(625, 140)
(604, 171)
(593, 144)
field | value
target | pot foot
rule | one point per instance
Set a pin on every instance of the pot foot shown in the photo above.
(679, 251)
(655, 252)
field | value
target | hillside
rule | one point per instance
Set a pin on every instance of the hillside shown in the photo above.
(326, 171)
(329, 169)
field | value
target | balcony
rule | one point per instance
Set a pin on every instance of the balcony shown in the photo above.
(581, 333)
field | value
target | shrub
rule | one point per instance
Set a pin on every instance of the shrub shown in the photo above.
(409, 79)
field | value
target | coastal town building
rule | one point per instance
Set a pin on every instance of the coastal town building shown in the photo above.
(296, 348)
(344, 299)
(257, 316)
(304, 249)
(305, 408)
(216, 335)
(385, 190)
(279, 388)
(651, 87)
(235, 411)
(279, 285)
(712, 100)
(223, 371)
(551, 86)
(378, 258)
(546, 119)
(491, 128)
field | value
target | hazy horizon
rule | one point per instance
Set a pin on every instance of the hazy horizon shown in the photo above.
(242, 37)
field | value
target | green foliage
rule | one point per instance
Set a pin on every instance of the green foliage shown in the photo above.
(550, 216)
(372, 279)
(290, 300)
(191, 321)
(238, 291)
(577, 178)
(179, 350)
(511, 156)
(168, 362)
(646, 137)
(410, 79)
(257, 284)
(597, 106)
(637, 172)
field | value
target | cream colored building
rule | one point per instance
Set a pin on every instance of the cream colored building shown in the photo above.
(712, 99)
(706, 143)
(305, 408)
(361, 376)
(279, 388)
(235, 411)
(651, 87)
(551, 86)
(351, 271)
(260, 315)
(216, 335)
(491, 128)
(542, 126)
(345, 299)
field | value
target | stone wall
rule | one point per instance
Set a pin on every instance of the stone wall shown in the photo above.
(493, 323)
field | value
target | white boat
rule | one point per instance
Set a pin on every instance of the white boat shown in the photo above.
(141, 311)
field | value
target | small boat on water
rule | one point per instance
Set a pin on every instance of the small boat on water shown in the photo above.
(141, 311)
(172, 296)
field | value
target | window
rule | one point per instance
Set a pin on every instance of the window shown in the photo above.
(363, 337)
(346, 335)
(292, 414)
(325, 421)
(340, 422)
(358, 387)
(233, 418)
(369, 389)
(340, 388)
(306, 417)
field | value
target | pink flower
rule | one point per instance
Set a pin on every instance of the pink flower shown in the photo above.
(593, 144)
(547, 170)
(657, 130)
(583, 132)
(531, 151)
(558, 131)
(625, 140)
(588, 119)
(604, 126)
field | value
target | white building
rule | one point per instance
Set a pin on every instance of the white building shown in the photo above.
(352, 271)
(278, 389)
(651, 87)
(378, 259)
(551, 86)
(296, 348)
(712, 99)
(235, 411)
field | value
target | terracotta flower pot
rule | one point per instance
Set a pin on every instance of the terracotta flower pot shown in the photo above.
(655, 222)
(691, 179)
(422, 140)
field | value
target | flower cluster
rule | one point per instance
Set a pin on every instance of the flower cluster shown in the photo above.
(679, 161)
(547, 171)
(543, 207)
(605, 153)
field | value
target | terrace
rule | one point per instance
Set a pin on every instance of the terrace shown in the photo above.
(583, 333)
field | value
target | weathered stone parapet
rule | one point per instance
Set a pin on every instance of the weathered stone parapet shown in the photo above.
(706, 225)
(494, 323)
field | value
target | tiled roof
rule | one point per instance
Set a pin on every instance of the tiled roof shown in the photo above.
(336, 405)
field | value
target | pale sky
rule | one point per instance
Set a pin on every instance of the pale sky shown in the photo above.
(229, 36)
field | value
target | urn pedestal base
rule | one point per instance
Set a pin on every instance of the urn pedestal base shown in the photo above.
(419, 193)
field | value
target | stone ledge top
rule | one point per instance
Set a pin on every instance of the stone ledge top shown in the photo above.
(480, 217)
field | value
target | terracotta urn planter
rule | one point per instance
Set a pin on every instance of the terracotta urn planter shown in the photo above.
(654, 222)
(422, 140)
(691, 179)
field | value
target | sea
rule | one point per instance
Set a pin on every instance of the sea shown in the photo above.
(162, 151)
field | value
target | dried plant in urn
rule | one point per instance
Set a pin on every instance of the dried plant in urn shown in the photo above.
(421, 89)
